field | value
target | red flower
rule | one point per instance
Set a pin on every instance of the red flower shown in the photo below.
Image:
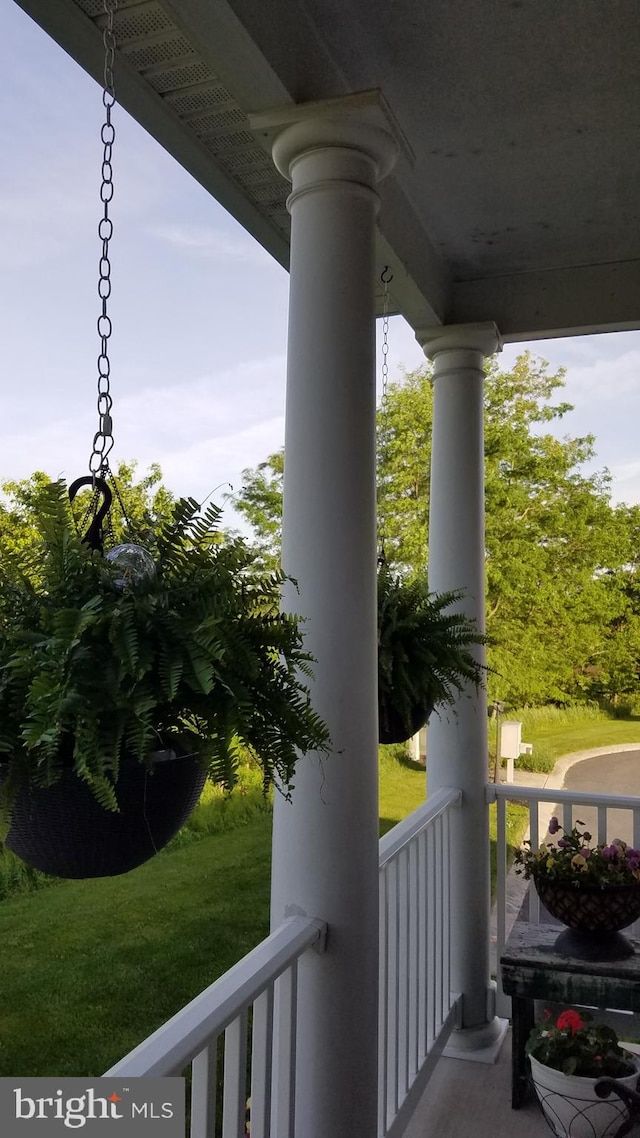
(571, 1020)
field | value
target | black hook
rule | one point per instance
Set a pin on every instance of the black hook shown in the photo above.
(383, 275)
(93, 536)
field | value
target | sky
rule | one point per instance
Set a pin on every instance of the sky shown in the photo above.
(199, 310)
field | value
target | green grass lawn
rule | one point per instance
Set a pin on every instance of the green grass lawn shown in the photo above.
(90, 968)
(563, 740)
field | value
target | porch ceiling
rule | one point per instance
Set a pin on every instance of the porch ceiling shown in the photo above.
(517, 199)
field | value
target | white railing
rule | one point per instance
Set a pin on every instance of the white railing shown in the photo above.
(242, 1014)
(417, 1008)
(241, 1032)
(606, 816)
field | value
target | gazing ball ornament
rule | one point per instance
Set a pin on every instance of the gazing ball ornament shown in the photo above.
(131, 564)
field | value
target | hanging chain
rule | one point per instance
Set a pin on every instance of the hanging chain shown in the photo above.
(103, 438)
(386, 276)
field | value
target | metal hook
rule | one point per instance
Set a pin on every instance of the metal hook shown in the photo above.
(384, 278)
(93, 536)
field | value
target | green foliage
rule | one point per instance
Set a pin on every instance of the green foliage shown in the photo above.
(260, 502)
(541, 761)
(425, 648)
(562, 563)
(196, 657)
(577, 1046)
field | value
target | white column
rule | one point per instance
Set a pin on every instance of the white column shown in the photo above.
(457, 750)
(325, 845)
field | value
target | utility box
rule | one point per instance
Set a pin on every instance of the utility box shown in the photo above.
(510, 739)
(511, 745)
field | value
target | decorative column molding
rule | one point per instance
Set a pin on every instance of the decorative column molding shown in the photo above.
(457, 748)
(325, 843)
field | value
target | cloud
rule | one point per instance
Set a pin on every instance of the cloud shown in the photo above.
(215, 244)
(626, 481)
(203, 432)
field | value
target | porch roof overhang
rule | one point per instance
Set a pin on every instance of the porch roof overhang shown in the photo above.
(515, 197)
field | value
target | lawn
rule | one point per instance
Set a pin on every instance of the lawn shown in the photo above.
(562, 731)
(90, 968)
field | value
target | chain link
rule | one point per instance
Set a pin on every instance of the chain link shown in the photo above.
(386, 276)
(103, 438)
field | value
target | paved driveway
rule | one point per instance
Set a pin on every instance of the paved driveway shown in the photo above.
(615, 773)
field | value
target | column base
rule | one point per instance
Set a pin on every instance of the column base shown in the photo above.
(480, 1044)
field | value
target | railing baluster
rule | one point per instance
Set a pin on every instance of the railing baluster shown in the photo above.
(446, 894)
(414, 909)
(383, 1002)
(534, 837)
(422, 948)
(501, 882)
(602, 823)
(262, 1064)
(432, 933)
(284, 1058)
(203, 1091)
(403, 916)
(393, 994)
(439, 924)
(235, 1078)
(636, 840)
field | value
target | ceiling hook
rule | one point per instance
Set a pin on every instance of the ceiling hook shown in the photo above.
(386, 279)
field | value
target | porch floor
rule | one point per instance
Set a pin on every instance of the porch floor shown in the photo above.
(466, 1099)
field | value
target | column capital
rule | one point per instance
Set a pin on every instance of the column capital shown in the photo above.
(361, 122)
(484, 338)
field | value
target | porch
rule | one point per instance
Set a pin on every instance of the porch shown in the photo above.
(239, 1038)
(468, 149)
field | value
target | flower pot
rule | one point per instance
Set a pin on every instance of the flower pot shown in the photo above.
(594, 914)
(63, 831)
(395, 726)
(572, 1107)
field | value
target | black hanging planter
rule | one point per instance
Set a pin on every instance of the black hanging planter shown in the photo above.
(395, 726)
(63, 831)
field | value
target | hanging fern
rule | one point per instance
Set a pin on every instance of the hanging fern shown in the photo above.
(198, 657)
(427, 651)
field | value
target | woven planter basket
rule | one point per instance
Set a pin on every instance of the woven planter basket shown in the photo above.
(61, 830)
(591, 908)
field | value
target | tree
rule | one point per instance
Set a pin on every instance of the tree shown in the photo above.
(260, 502)
(557, 553)
(147, 503)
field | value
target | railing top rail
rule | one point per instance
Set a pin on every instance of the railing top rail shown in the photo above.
(176, 1043)
(416, 822)
(513, 791)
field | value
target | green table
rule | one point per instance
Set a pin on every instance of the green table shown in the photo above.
(532, 970)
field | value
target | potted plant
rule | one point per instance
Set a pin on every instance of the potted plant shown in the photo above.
(125, 681)
(425, 654)
(567, 1058)
(592, 888)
